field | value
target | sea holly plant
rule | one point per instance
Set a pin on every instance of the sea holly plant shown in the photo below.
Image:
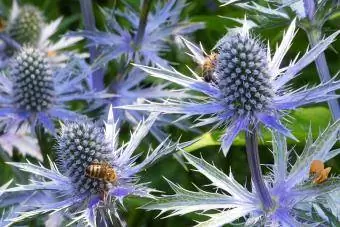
(26, 26)
(127, 87)
(71, 189)
(34, 93)
(94, 178)
(291, 188)
(311, 14)
(247, 85)
(147, 38)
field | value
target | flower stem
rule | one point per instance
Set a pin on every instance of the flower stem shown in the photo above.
(90, 25)
(143, 21)
(255, 168)
(314, 36)
(10, 42)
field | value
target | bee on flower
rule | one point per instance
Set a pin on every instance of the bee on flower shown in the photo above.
(250, 87)
(92, 175)
(311, 16)
(208, 67)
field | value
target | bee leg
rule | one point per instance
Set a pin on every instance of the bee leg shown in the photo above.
(104, 195)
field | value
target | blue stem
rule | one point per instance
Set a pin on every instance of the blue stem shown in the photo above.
(10, 42)
(314, 36)
(309, 6)
(90, 25)
(255, 169)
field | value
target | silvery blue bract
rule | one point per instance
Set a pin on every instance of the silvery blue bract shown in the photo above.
(161, 24)
(66, 188)
(34, 93)
(249, 85)
(292, 189)
(128, 91)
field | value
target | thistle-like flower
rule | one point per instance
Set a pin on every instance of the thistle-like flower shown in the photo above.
(246, 85)
(26, 26)
(34, 93)
(162, 23)
(291, 186)
(94, 174)
(312, 15)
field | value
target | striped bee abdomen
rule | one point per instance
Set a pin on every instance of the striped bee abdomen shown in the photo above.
(102, 171)
(94, 171)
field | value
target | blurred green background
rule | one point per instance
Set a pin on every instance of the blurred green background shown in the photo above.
(207, 11)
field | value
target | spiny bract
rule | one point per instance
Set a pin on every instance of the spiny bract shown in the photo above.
(64, 187)
(249, 85)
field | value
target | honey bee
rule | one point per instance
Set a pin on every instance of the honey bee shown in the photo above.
(102, 171)
(208, 67)
(318, 172)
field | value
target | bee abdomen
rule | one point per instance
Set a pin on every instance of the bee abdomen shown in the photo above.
(94, 171)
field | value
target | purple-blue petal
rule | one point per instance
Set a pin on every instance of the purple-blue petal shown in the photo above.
(273, 122)
(232, 131)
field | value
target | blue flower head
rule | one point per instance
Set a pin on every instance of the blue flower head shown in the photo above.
(291, 186)
(26, 26)
(162, 23)
(33, 92)
(74, 186)
(245, 86)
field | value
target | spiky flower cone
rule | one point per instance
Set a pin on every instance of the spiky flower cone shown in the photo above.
(242, 74)
(32, 81)
(26, 27)
(79, 146)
